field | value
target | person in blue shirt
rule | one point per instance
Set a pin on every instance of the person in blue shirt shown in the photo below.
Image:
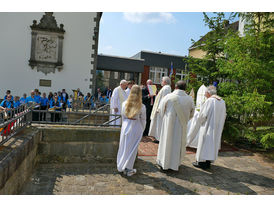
(7, 105)
(55, 117)
(17, 102)
(44, 106)
(31, 101)
(89, 100)
(37, 97)
(8, 93)
(103, 99)
(23, 99)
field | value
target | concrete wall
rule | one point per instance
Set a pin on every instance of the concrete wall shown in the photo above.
(17, 161)
(76, 144)
(15, 48)
(21, 153)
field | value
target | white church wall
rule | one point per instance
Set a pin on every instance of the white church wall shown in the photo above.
(15, 48)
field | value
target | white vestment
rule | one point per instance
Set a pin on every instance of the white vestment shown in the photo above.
(117, 98)
(128, 91)
(130, 137)
(211, 122)
(156, 120)
(172, 144)
(191, 123)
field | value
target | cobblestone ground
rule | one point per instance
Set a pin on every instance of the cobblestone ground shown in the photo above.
(233, 173)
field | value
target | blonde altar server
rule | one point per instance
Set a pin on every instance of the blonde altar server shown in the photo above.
(156, 120)
(133, 125)
(175, 109)
(211, 121)
(117, 98)
(201, 98)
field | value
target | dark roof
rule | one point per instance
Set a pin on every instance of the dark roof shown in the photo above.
(233, 26)
(161, 59)
(121, 64)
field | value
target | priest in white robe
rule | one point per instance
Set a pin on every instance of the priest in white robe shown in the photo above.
(211, 121)
(201, 98)
(118, 97)
(133, 126)
(175, 109)
(156, 120)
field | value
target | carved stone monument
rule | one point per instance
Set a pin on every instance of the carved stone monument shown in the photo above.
(46, 44)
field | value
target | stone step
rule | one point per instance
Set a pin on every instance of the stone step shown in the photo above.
(77, 144)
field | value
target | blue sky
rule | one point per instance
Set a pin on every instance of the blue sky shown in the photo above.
(125, 34)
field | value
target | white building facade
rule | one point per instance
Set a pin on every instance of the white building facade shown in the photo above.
(74, 49)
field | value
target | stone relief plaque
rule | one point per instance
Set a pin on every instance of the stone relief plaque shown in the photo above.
(47, 44)
(46, 48)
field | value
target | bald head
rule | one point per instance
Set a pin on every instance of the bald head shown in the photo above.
(123, 84)
(180, 85)
(149, 82)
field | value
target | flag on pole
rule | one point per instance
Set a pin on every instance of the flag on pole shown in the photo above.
(171, 70)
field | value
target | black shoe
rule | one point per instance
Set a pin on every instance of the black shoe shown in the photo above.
(201, 165)
(208, 164)
(161, 169)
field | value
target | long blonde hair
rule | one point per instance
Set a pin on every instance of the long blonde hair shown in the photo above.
(134, 102)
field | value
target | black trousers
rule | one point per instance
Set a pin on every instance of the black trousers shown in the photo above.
(148, 113)
(43, 114)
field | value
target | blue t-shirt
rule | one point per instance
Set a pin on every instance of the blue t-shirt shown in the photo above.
(7, 104)
(17, 104)
(30, 100)
(37, 99)
(44, 101)
(23, 100)
(53, 103)
(6, 97)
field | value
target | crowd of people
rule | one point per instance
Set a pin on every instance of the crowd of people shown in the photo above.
(167, 117)
(57, 101)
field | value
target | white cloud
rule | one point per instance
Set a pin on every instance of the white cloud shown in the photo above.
(149, 17)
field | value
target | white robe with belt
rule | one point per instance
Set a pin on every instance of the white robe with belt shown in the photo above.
(118, 97)
(130, 137)
(193, 122)
(211, 121)
(156, 120)
(172, 144)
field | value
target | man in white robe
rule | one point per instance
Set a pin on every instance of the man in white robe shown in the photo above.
(201, 98)
(175, 109)
(211, 121)
(118, 97)
(156, 120)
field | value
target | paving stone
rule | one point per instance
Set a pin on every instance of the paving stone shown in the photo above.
(231, 174)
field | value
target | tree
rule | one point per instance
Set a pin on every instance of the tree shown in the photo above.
(213, 44)
(248, 67)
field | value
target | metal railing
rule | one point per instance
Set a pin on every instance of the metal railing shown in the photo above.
(12, 121)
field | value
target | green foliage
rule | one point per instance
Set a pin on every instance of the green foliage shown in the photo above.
(267, 140)
(245, 67)
(99, 81)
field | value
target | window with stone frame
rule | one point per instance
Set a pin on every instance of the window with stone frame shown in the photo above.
(156, 74)
(181, 75)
